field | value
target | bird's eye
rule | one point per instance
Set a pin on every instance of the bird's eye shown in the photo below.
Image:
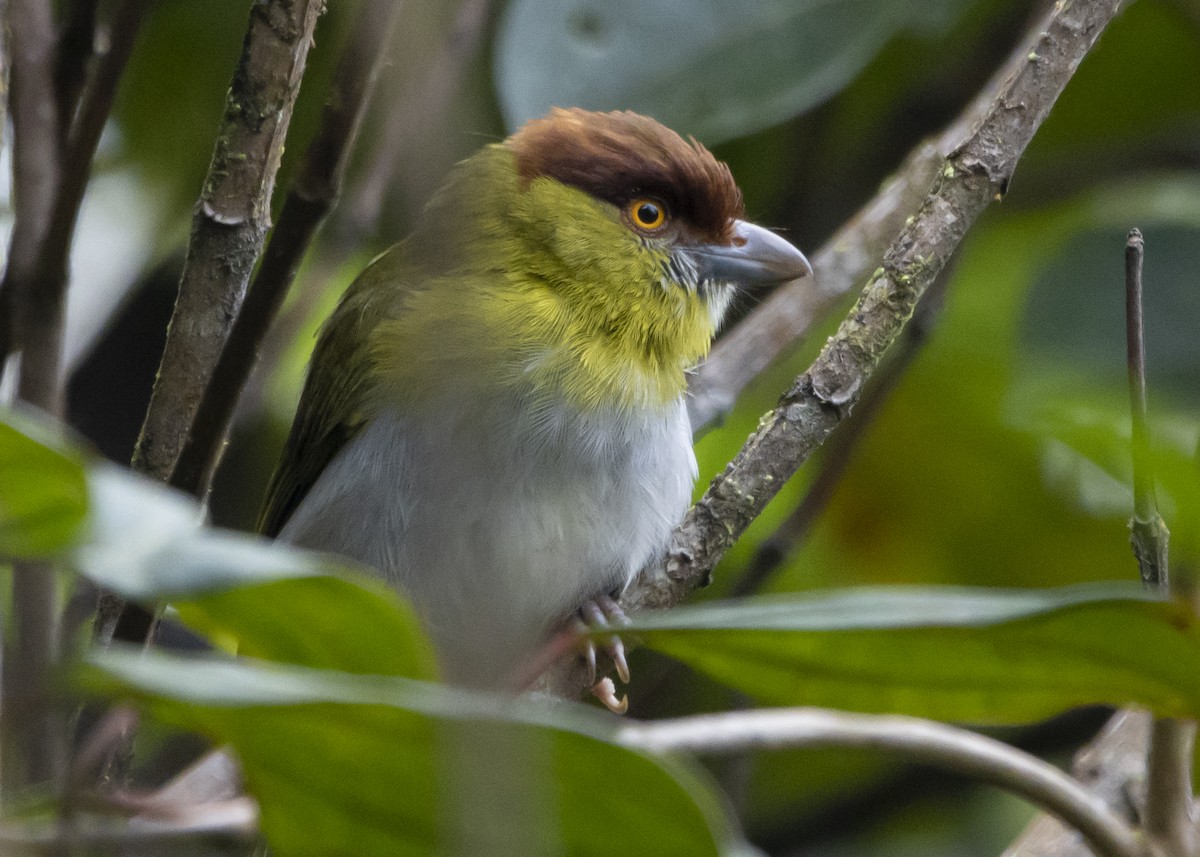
(647, 213)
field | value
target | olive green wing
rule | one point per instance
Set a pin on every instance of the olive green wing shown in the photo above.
(334, 405)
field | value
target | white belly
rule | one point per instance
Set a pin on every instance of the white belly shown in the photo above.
(497, 535)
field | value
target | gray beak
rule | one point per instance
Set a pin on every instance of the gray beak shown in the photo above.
(758, 257)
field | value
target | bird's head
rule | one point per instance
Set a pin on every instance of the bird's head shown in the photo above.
(664, 204)
(619, 243)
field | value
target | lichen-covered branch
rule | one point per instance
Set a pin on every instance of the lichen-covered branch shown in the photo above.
(230, 222)
(976, 173)
(313, 193)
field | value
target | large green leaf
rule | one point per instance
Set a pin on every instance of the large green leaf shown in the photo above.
(372, 765)
(326, 621)
(976, 655)
(43, 489)
(717, 69)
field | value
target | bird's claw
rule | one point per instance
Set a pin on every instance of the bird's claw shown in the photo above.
(604, 612)
(605, 691)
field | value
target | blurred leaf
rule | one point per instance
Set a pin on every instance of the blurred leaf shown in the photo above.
(326, 622)
(379, 762)
(1076, 309)
(43, 489)
(133, 520)
(716, 70)
(1086, 456)
(1095, 430)
(976, 655)
(276, 601)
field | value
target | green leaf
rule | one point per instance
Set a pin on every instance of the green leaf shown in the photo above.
(385, 766)
(133, 522)
(43, 489)
(326, 621)
(714, 70)
(974, 655)
(271, 600)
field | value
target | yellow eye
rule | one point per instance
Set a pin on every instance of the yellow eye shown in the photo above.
(647, 213)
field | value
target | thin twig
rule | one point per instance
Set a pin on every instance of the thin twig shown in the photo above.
(1148, 532)
(230, 222)
(1169, 803)
(229, 226)
(50, 258)
(957, 749)
(37, 298)
(314, 192)
(1169, 761)
(221, 827)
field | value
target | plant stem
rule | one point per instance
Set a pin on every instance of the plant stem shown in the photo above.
(932, 743)
(1169, 799)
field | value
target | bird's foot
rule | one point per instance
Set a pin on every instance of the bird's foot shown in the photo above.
(603, 612)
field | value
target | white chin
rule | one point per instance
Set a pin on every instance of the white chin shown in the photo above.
(717, 297)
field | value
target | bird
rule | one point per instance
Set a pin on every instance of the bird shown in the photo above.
(494, 416)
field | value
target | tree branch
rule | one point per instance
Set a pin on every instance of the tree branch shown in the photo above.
(312, 195)
(975, 175)
(957, 749)
(230, 222)
(32, 752)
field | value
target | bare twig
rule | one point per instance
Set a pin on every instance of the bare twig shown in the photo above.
(1169, 806)
(1169, 761)
(50, 257)
(230, 222)
(957, 749)
(783, 318)
(217, 828)
(312, 195)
